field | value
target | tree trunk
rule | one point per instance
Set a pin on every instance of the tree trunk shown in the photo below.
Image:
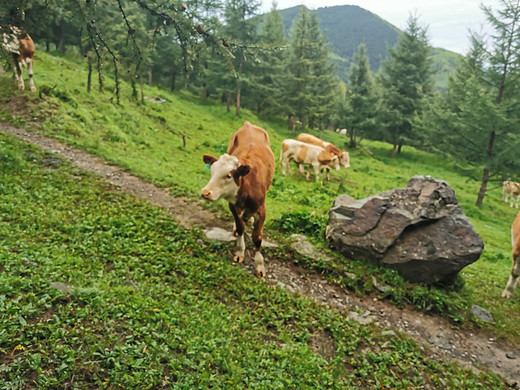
(141, 85)
(61, 43)
(399, 147)
(394, 149)
(174, 79)
(228, 103)
(352, 139)
(204, 93)
(483, 187)
(485, 175)
(150, 76)
(290, 125)
(238, 102)
(89, 75)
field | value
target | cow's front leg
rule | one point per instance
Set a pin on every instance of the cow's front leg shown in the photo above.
(18, 71)
(513, 278)
(238, 232)
(316, 172)
(30, 74)
(258, 226)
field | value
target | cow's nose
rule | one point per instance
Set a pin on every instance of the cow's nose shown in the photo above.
(205, 193)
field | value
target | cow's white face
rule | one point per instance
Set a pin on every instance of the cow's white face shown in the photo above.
(224, 176)
(334, 163)
(344, 160)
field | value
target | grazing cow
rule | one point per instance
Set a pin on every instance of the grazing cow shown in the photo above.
(515, 272)
(511, 189)
(242, 176)
(21, 46)
(344, 157)
(303, 153)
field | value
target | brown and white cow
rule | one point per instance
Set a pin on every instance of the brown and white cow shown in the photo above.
(21, 46)
(515, 272)
(303, 153)
(511, 189)
(242, 176)
(344, 157)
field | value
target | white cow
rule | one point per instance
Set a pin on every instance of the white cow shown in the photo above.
(312, 155)
(511, 189)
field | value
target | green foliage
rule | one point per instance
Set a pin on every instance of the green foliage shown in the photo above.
(301, 222)
(100, 290)
(406, 82)
(147, 140)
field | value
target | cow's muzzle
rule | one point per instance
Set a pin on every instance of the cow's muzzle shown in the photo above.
(206, 194)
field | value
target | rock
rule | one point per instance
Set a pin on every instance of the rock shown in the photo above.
(305, 248)
(441, 341)
(61, 287)
(482, 314)
(364, 319)
(511, 355)
(382, 287)
(419, 230)
(218, 234)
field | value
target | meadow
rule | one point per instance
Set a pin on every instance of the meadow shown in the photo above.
(194, 320)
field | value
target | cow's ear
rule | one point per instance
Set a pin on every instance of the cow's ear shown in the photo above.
(209, 159)
(242, 170)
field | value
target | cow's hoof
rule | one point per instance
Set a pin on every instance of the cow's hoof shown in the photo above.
(506, 294)
(261, 272)
(33, 89)
(238, 259)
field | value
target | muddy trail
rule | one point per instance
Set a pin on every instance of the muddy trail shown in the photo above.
(471, 348)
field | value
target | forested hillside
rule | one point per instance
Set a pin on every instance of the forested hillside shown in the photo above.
(346, 26)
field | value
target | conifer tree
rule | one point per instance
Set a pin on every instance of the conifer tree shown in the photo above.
(406, 81)
(309, 81)
(478, 122)
(361, 100)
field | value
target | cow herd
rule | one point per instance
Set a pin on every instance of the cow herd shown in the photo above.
(243, 175)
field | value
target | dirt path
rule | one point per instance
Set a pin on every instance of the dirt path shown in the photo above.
(433, 334)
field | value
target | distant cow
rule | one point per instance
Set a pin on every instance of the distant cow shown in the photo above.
(515, 272)
(511, 189)
(344, 157)
(303, 153)
(242, 176)
(21, 46)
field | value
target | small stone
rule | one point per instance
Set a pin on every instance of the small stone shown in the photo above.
(482, 314)
(61, 287)
(511, 355)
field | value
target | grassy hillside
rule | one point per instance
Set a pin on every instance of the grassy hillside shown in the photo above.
(147, 139)
(100, 290)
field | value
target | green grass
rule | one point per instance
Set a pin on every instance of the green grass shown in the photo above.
(145, 305)
(147, 139)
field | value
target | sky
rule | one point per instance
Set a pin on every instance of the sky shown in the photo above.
(448, 21)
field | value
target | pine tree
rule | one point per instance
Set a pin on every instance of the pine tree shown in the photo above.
(480, 114)
(267, 98)
(406, 81)
(361, 98)
(309, 83)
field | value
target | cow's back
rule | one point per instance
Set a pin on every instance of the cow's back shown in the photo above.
(310, 139)
(250, 144)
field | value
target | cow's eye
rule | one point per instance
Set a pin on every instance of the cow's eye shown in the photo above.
(228, 176)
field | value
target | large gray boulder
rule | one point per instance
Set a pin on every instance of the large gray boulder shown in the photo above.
(419, 230)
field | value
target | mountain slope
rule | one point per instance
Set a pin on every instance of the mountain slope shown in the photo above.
(346, 26)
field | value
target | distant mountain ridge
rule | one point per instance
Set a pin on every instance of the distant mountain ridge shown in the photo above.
(346, 26)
